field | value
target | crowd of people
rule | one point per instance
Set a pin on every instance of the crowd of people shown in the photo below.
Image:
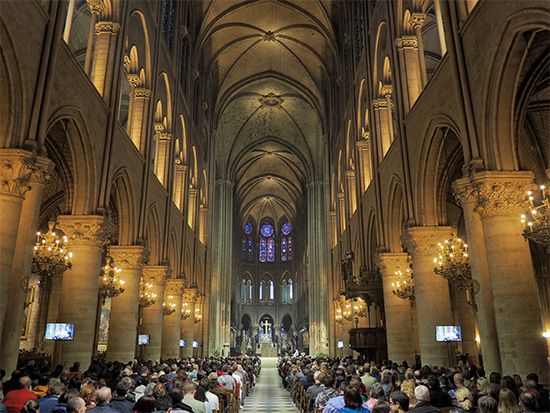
(198, 385)
(355, 386)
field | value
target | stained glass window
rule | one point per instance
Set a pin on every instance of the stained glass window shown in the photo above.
(286, 242)
(247, 228)
(270, 249)
(286, 228)
(261, 291)
(283, 250)
(247, 246)
(267, 230)
(290, 291)
(290, 248)
(271, 291)
(243, 292)
(250, 249)
(263, 250)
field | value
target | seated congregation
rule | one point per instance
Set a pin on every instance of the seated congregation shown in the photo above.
(356, 386)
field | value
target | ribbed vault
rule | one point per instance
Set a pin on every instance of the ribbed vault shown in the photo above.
(270, 63)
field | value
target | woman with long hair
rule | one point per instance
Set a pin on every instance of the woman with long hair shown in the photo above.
(508, 402)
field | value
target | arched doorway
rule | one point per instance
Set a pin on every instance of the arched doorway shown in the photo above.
(266, 332)
(287, 341)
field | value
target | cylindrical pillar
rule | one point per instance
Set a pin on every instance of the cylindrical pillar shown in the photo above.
(123, 322)
(398, 311)
(502, 197)
(87, 235)
(171, 325)
(188, 321)
(488, 337)
(22, 263)
(152, 316)
(433, 302)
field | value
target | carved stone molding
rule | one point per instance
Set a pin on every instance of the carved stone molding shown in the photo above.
(385, 90)
(163, 137)
(379, 103)
(389, 262)
(142, 92)
(134, 81)
(174, 287)
(502, 193)
(464, 192)
(406, 42)
(96, 6)
(417, 19)
(189, 295)
(86, 230)
(422, 241)
(41, 171)
(156, 274)
(107, 28)
(16, 168)
(363, 144)
(350, 173)
(132, 256)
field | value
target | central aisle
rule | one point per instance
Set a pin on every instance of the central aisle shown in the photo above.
(268, 395)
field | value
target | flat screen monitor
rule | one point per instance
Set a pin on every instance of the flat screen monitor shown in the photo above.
(448, 333)
(195, 344)
(340, 344)
(183, 343)
(59, 331)
(144, 339)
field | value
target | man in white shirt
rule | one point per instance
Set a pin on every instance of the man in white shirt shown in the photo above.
(211, 397)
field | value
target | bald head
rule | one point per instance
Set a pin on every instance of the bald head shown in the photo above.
(422, 394)
(103, 395)
(25, 381)
(76, 405)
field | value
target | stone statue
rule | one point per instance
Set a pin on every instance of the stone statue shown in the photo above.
(347, 267)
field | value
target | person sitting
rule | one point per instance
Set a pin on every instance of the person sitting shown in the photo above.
(76, 405)
(47, 403)
(334, 404)
(528, 402)
(103, 401)
(327, 392)
(438, 397)
(353, 403)
(507, 401)
(486, 404)
(31, 406)
(400, 401)
(120, 401)
(16, 399)
(189, 398)
(41, 390)
(177, 402)
(544, 395)
(422, 395)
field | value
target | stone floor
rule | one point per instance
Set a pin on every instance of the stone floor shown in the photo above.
(268, 395)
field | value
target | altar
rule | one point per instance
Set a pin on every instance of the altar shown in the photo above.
(266, 346)
(268, 350)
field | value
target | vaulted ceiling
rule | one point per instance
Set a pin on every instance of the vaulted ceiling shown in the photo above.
(270, 63)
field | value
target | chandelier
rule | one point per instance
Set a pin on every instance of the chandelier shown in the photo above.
(146, 297)
(453, 264)
(350, 308)
(537, 220)
(198, 315)
(185, 311)
(403, 287)
(168, 308)
(50, 253)
(110, 285)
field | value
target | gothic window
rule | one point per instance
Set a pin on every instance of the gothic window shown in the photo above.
(271, 291)
(243, 292)
(247, 244)
(290, 291)
(286, 242)
(246, 290)
(267, 243)
(284, 287)
(261, 291)
(287, 287)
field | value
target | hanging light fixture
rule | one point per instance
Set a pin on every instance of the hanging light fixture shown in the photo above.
(537, 221)
(403, 287)
(110, 285)
(168, 308)
(185, 311)
(198, 315)
(146, 297)
(453, 264)
(50, 253)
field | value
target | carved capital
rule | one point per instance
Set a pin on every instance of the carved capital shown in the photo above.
(417, 19)
(96, 6)
(189, 295)
(385, 90)
(141, 92)
(163, 137)
(464, 192)
(340, 195)
(406, 42)
(41, 171)
(363, 144)
(132, 257)
(174, 287)
(422, 241)
(134, 81)
(107, 28)
(389, 262)
(86, 230)
(502, 193)
(379, 103)
(350, 173)
(16, 168)
(156, 274)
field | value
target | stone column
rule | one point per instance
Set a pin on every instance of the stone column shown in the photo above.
(188, 321)
(488, 335)
(52, 312)
(398, 311)
(352, 193)
(171, 325)
(502, 197)
(192, 207)
(152, 316)
(202, 224)
(16, 167)
(433, 302)
(416, 21)
(409, 62)
(383, 124)
(96, 8)
(22, 263)
(342, 211)
(179, 184)
(138, 117)
(106, 34)
(88, 234)
(124, 317)
(363, 147)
